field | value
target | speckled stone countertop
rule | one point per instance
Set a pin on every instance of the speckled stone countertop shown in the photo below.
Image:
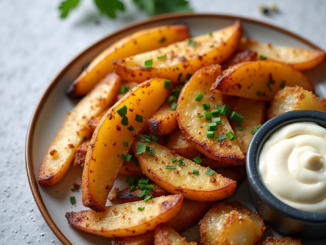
(35, 45)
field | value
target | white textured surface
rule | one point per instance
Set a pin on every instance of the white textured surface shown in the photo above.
(35, 45)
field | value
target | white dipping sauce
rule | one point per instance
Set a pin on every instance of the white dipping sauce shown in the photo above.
(292, 166)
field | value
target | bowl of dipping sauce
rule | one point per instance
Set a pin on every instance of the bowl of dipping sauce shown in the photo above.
(286, 168)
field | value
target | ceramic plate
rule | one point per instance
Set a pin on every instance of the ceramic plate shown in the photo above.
(53, 201)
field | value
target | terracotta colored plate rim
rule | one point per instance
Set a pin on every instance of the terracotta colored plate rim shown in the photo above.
(30, 131)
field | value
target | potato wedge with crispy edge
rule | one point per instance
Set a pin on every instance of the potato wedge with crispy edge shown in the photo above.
(253, 112)
(237, 174)
(138, 42)
(281, 241)
(80, 154)
(127, 84)
(300, 59)
(127, 196)
(177, 142)
(182, 58)
(103, 159)
(94, 121)
(165, 235)
(190, 214)
(199, 187)
(74, 130)
(231, 223)
(245, 55)
(164, 121)
(259, 80)
(125, 219)
(292, 99)
(195, 128)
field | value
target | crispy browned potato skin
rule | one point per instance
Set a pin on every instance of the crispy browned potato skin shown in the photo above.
(126, 195)
(195, 128)
(240, 57)
(300, 59)
(182, 59)
(249, 79)
(164, 121)
(281, 241)
(103, 159)
(144, 239)
(165, 235)
(292, 99)
(80, 154)
(208, 162)
(74, 129)
(237, 174)
(125, 220)
(138, 42)
(253, 112)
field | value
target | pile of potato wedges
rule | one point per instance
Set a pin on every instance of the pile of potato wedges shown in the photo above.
(175, 114)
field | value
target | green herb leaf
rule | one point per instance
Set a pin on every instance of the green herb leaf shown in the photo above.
(236, 117)
(230, 135)
(211, 126)
(167, 84)
(161, 56)
(72, 200)
(210, 134)
(195, 172)
(130, 128)
(174, 159)
(259, 93)
(66, 6)
(124, 121)
(131, 180)
(143, 193)
(128, 157)
(198, 160)
(141, 148)
(181, 162)
(282, 85)
(221, 138)
(207, 115)
(171, 98)
(139, 118)
(174, 106)
(109, 7)
(255, 130)
(166, 139)
(135, 161)
(151, 154)
(191, 42)
(147, 198)
(199, 96)
(125, 144)
(122, 111)
(84, 138)
(180, 75)
(148, 64)
(200, 116)
(262, 57)
(123, 157)
(210, 172)
(143, 181)
(206, 106)
(217, 120)
(124, 89)
(133, 188)
(155, 138)
(141, 208)
(170, 167)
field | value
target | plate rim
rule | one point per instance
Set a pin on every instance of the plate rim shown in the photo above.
(35, 115)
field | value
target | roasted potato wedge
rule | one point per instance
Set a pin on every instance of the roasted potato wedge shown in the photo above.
(80, 154)
(94, 121)
(165, 235)
(75, 130)
(138, 42)
(259, 80)
(292, 99)
(253, 112)
(195, 128)
(164, 121)
(144, 239)
(281, 241)
(237, 174)
(231, 223)
(125, 220)
(103, 159)
(180, 179)
(127, 196)
(245, 55)
(177, 142)
(300, 59)
(213, 164)
(182, 58)
(125, 87)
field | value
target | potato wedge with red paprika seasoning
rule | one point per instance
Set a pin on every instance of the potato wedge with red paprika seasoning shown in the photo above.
(253, 114)
(177, 60)
(179, 175)
(259, 80)
(164, 121)
(138, 42)
(197, 109)
(231, 223)
(281, 241)
(128, 219)
(113, 137)
(74, 130)
(298, 58)
(167, 236)
(292, 99)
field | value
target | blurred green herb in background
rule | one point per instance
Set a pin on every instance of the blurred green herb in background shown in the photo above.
(109, 7)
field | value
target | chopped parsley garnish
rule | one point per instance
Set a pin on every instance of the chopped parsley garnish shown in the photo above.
(130, 128)
(171, 98)
(191, 42)
(256, 128)
(128, 157)
(239, 128)
(211, 126)
(262, 57)
(268, 85)
(198, 160)
(84, 138)
(174, 159)
(123, 157)
(174, 106)
(206, 106)
(124, 121)
(131, 180)
(161, 56)
(162, 40)
(210, 134)
(141, 148)
(207, 115)
(166, 139)
(139, 118)
(143, 192)
(181, 163)
(149, 148)
(148, 63)
(282, 85)
(135, 161)
(210, 34)
(167, 84)
(259, 93)
(140, 139)
(170, 167)
(195, 172)
(200, 116)
(133, 188)
(215, 112)
(224, 109)
(216, 120)
(147, 140)
(210, 172)
(151, 153)
(199, 96)
(179, 77)
(236, 117)
(155, 138)
(72, 200)
(188, 77)
(148, 187)
(143, 181)
(141, 208)
(125, 144)
(147, 198)
(122, 111)
(124, 89)
(221, 138)
(230, 135)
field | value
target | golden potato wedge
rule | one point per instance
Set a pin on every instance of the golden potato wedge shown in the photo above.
(194, 185)
(208, 162)
(127, 196)
(182, 58)
(164, 121)
(281, 241)
(130, 169)
(125, 87)
(292, 99)
(300, 59)
(177, 142)
(103, 159)
(232, 223)
(195, 128)
(144, 239)
(80, 154)
(245, 55)
(237, 174)
(75, 130)
(259, 80)
(94, 121)
(253, 112)
(165, 235)
(138, 42)
(125, 219)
